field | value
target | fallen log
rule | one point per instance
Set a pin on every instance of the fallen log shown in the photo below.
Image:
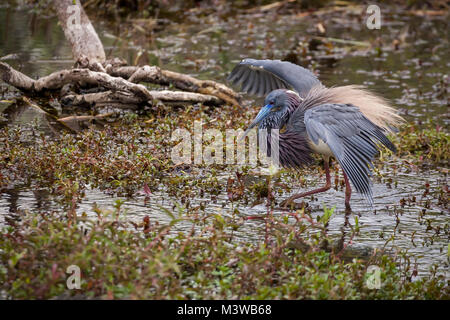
(15, 78)
(58, 79)
(126, 100)
(76, 123)
(119, 91)
(153, 74)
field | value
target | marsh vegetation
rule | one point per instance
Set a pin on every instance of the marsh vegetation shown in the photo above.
(102, 192)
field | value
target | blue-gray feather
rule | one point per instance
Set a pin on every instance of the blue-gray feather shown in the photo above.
(264, 76)
(352, 138)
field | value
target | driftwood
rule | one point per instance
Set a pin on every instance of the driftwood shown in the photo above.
(58, 79)
(95, 81)
(181, 81)
(15, 78)
(120, 99)
(120, 90)
(76, 123)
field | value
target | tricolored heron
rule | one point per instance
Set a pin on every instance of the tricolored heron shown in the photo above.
(348, 122)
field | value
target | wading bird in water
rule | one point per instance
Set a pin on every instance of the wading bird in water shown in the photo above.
(347, 122)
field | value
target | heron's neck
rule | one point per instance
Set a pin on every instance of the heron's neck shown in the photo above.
(293, 101)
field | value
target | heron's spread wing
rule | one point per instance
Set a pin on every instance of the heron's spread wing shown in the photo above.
(263, 76)
(352, 138)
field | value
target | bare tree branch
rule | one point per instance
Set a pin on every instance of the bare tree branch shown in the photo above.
(124, 99)
(181, 81)
(120, 91)
(79, 31)
(15, 78)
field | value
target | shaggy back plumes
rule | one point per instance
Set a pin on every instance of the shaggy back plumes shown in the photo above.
(375, 108)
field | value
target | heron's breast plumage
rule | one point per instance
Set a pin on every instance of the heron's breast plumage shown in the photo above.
(321, 148)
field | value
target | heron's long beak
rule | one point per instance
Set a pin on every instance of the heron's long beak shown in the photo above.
(261, 115)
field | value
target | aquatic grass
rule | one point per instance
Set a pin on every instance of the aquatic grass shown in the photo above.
(119, 259)
(427, 144)
(123, 156)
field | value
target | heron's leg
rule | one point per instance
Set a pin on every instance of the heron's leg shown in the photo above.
(348, 193)
(327, 186)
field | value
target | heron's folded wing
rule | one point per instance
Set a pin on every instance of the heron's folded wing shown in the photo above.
(352, 138)
(263, 76)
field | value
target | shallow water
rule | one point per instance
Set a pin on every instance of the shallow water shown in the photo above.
(409, 77)
(376, 226)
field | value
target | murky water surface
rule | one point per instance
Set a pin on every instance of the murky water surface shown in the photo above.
(409, 73)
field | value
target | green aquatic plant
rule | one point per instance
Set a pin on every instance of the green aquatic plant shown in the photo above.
(122, 259)
(427, 144)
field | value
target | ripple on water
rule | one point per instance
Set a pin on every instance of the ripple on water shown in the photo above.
(375, 228)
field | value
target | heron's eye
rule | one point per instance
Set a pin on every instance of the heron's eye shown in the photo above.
(275, 108)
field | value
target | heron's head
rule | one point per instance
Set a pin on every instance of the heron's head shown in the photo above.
(278, 106)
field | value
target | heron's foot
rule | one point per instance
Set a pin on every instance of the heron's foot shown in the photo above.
(348, 209)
